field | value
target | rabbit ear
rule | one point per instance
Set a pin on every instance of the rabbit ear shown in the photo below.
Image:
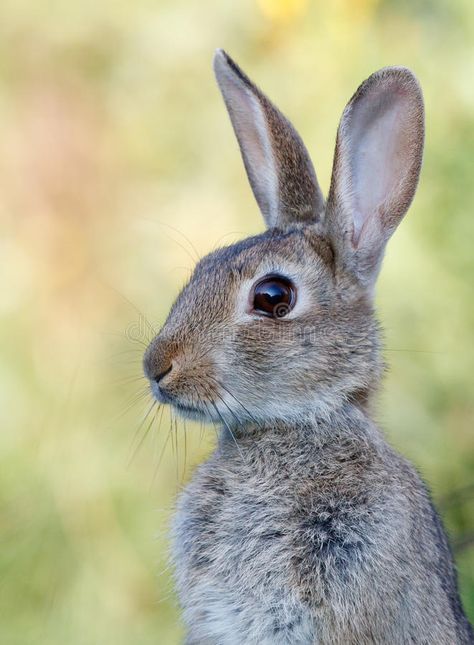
(278, 165)
(376, 168)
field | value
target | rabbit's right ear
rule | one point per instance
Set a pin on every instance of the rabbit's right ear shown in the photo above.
(278, 165)
(376, 167)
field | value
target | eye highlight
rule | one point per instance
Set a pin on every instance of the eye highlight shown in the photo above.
(274, 296)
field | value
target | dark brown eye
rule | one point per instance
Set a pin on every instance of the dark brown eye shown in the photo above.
(274, 296)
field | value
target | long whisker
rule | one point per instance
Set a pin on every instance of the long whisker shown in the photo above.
(142, 422)
(160, 459)
(185, 450)
(229, 429)
(144, 435)
(237, 233)
(204, 402)
(127, 380)
(201, 430)
(220, 384)
(176, 440)
(131, 403)
(133, 350)
(173, 228)
(230, 409)
(123, 335)
(181, 246)
(127, 361)
(187, 239)
(139, 312)
(172, 435)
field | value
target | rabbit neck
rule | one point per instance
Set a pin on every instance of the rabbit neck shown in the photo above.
(351, 419)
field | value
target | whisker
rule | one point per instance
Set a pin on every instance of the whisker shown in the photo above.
(127, 380)
(173, 228)
(139, 312)
(174, 441)
(220, 384)
(185, 450)
(127, 361)
(230, 410)
(140, 426)
(237, 233)
(172, 436)
(186, 239)
(228, 429)
(177, 450)
(201, 430)
(204, 402)
(181, 246)
(133, 350)
(145, 434)
(123, 335)
(160, 458)
(131, 403)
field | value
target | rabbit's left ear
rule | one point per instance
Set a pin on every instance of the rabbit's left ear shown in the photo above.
(277, 163)
(376, 168)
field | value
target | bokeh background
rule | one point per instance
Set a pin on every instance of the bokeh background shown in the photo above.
(118, 167)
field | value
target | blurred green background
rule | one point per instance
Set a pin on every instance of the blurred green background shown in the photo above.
(117, 167)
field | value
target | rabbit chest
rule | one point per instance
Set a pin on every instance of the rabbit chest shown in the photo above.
(258, 546)
(233, 558)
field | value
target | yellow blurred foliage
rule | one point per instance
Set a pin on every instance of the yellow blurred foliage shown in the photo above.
(282, 10)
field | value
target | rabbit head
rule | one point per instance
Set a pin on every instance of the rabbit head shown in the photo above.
(281, 324)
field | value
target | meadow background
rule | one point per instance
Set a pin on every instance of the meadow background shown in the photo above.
(118, 166)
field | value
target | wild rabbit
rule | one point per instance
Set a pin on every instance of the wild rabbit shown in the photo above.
(304, 526)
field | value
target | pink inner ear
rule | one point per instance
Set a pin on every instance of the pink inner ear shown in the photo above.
(379, 156)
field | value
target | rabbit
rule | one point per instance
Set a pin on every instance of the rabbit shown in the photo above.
(304, 526)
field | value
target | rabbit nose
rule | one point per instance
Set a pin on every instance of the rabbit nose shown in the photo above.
(157, 362)
(157, 377)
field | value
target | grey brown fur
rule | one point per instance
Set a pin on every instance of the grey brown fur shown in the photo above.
(304, 526)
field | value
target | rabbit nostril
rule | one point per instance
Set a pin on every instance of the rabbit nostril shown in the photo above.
(161, 375)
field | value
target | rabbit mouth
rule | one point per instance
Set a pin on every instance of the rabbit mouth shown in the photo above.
(186, 410)
(193, 411)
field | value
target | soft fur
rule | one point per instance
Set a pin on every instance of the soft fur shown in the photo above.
(304, 526)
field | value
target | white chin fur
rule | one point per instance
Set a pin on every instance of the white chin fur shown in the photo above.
(231, 414)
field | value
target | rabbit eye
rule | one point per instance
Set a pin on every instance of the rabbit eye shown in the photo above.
(274, 296)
